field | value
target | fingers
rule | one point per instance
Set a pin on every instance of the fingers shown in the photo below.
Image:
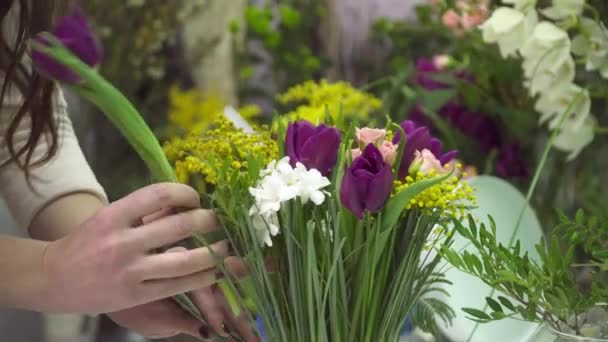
(180, 262)
(211, 309)
(159, 214)
(132, 208)
(159, 319)
(183, 321)
(171, 229)
(242, 324)
(164, 288)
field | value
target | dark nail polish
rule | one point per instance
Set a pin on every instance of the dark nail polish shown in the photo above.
(226, 329)
(219, 275)
(231, 250)
(204, 331)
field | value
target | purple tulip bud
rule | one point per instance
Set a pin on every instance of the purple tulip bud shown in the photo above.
(316, 147)
(367, 183)
(74, 32)
(418, 139)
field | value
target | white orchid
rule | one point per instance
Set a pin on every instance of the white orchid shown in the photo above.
(544, 80)
(593, 46)
(573, 99)
(562, 9)
(281, 183)
(508, 28)
(574, 138)
(547, 49)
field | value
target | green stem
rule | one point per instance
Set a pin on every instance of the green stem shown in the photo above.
(600, 130)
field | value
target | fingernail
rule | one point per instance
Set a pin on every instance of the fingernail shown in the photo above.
(204, 331)
(231, 250)
(219, 275)
(226, 329)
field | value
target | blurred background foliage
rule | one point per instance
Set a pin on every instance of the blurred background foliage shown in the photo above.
(474, 101)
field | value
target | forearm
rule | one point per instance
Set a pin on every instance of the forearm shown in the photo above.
(22, 277)
(64, 215)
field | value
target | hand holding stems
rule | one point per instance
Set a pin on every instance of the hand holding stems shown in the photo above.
(163, 318)
(110, 254)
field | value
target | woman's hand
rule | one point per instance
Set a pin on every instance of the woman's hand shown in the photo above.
(164, 318)
(107, 265)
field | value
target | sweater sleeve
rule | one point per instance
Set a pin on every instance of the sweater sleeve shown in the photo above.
(67, 172)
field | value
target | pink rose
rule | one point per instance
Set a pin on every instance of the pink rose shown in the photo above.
(366, 136)
(451, 20)
(474, 14)
(426, 161)
(441, 61)
(355, 153)
(389, 152)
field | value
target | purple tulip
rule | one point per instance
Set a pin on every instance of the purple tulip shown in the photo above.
(417, 139)
(367, 183)
(76, 35)
(316, 147)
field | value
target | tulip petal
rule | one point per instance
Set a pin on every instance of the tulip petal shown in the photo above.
(379, 189)
(350, 195)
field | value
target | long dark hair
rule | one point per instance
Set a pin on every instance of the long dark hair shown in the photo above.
(37, 92)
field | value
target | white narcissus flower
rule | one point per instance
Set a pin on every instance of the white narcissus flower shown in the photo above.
(593, 46)
(573, 139)
(574, 99)
(508, 28)
(281, 183)
(265, 226)
(547, 49)
(562, 9)
(311, 183)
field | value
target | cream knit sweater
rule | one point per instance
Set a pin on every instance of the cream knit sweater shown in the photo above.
(68, 172)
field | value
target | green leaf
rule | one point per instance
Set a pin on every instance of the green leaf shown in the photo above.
(398, 202)
(580, 217)
(493, 304)
(477, 313)
(291, 17)
(506, 303)
(436, 99)
(498, 315)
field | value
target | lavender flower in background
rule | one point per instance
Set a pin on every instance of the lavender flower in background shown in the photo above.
(419, 138)
(367, 183)
(74, 32)
(316, 147)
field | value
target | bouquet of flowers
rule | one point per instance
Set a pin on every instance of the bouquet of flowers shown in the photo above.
(339, 228)
(350, 221)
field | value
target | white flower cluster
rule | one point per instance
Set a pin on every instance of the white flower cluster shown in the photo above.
(281, 183)
(548, 63)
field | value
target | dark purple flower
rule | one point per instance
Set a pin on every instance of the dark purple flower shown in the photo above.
(419, 138)
(316, 147)
(510, 163)
(76, 35)
(367, 183)
(480, 127)
(427, 70)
